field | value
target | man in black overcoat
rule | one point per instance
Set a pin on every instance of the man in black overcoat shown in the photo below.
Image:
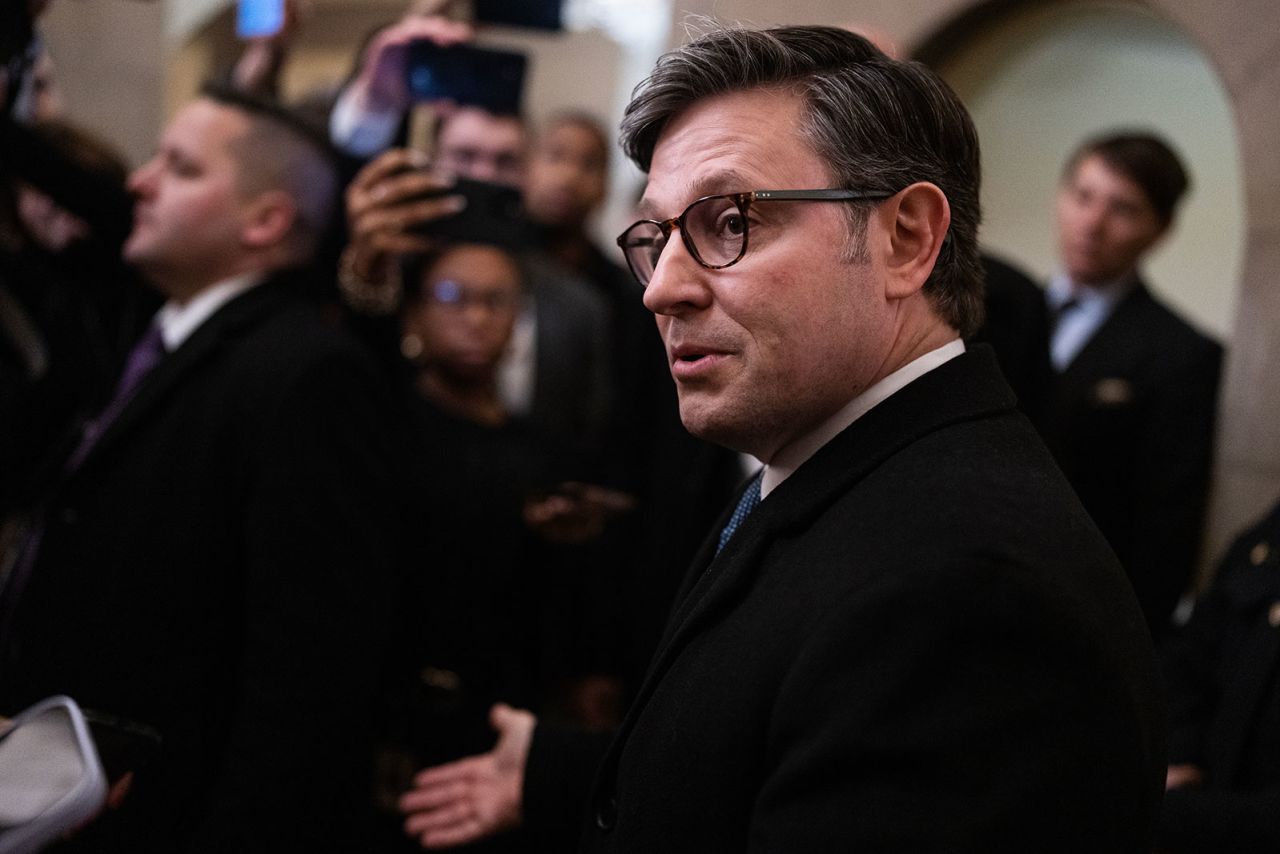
(907, 635)
(212, 563)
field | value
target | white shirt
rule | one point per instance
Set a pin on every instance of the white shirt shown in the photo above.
(1077, 324)
(790, 458)
(518, 368)
(178, 321)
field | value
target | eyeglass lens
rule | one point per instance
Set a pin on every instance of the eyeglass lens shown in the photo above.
(450, 294)
(713, 229)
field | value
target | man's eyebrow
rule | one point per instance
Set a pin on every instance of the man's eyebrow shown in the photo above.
(711, 184)
(645, 209)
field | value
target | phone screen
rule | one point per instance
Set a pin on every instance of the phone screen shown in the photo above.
(123, 745)
(466, 75)
(259, 18)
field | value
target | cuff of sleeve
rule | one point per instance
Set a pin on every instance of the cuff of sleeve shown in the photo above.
(559, 774)
(361, 130)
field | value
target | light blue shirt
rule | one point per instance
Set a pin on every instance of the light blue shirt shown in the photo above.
(1079, 322)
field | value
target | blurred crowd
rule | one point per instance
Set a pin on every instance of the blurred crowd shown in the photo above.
(331, 426)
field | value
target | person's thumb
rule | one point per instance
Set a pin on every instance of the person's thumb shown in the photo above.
(507, 719)
(501, 716)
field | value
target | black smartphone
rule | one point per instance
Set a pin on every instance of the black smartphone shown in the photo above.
(467, 75)
(493, 214)
(538, 14)
(123, 745)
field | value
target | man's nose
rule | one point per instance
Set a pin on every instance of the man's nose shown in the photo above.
(1093, 218)
(679, 283)
(140, 180)
(477, 313)
(483, 170)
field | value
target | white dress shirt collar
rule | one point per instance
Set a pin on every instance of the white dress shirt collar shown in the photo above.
(790, 458)
(178, 321)
(1062, 288)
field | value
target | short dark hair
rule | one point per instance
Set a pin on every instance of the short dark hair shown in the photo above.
(282, 150)
(493, 115)
(878, 123)
(1143, 158)
(580, 119)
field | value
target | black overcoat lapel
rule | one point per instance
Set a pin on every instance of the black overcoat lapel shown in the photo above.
(244, 311)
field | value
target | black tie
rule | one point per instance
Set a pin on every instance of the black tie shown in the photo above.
(1057, 314)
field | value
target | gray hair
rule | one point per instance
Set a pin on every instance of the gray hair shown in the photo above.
(879, 125)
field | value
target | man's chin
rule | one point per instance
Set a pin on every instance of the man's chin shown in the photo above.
(712, 424)
(134, 250)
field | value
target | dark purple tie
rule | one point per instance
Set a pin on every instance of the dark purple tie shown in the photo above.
(144, 356)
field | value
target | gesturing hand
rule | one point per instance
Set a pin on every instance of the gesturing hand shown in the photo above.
(476, 797)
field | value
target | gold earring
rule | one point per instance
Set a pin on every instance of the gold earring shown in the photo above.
(411, 346)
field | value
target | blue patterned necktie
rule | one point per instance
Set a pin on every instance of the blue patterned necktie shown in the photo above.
(750, 498)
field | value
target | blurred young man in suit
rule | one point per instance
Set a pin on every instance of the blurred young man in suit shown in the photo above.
(213, 562)
(907, 635)
(1130, 409)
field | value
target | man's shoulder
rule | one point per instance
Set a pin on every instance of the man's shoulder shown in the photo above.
(948, 453)
(289, 314)
(1157, 322)
(959, 465)
(973, 509)
(552, 284)
(987, 476)
(278, 332)
(1255, 553)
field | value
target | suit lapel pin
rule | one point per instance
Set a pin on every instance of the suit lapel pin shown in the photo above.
(1113, 391)
(1258, 554)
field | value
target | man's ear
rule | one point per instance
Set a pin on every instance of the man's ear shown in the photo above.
(916, 222)
(1165, 230)
(270, 217)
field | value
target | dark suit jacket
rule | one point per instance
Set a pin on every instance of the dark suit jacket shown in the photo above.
(1016, 325)
(1131, 423)
(679, 483)
(571, 391)
(918, 642)
(218, 569)
(1223, 673)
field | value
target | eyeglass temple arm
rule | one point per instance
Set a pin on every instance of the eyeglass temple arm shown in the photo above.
(817, 195)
